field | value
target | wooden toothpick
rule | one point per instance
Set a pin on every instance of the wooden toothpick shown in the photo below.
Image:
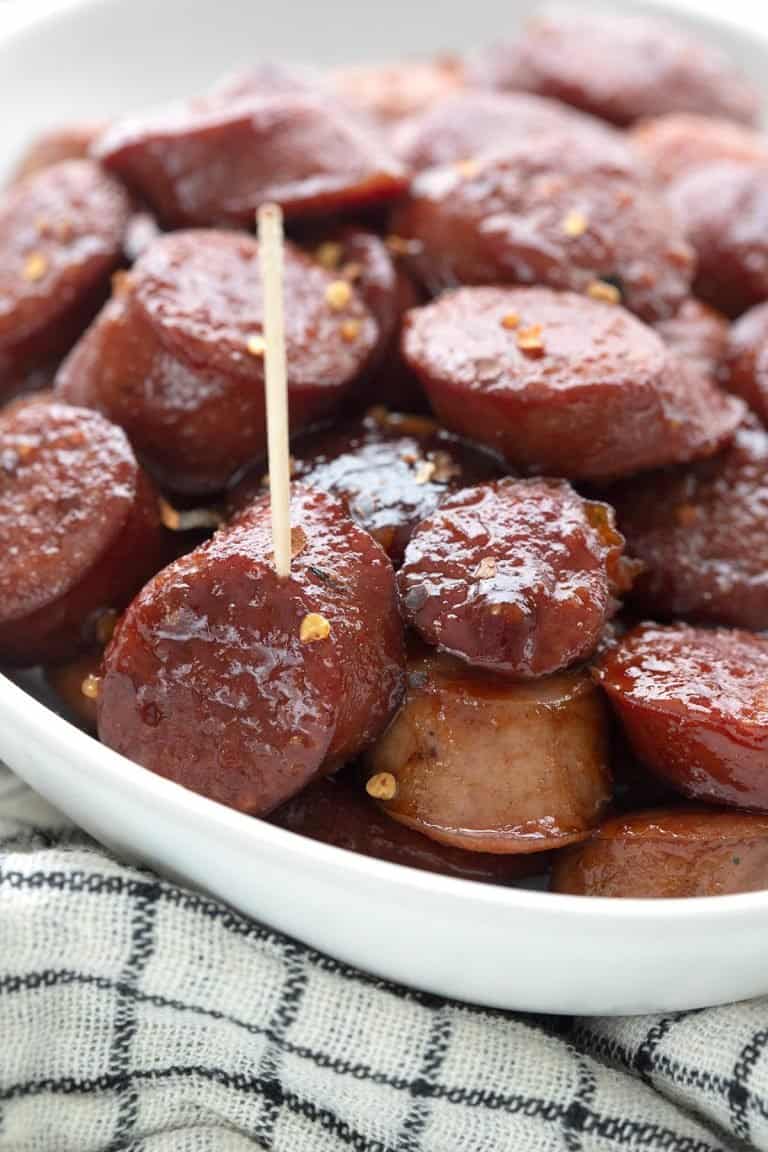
(270, 223)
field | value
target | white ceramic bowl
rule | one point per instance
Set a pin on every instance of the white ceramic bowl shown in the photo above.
(503, 947)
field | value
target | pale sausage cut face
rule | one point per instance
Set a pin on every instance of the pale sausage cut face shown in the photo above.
(493, 766)
(676, 144)
(517, 577)
(694, 704)
(561, 384)
(668, 852)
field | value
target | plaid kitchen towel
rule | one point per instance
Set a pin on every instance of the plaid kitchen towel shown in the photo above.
(135, 1014)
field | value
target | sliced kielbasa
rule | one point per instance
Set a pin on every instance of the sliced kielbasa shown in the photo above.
(561, 210)
(337, 811)
(559, 383)
(724, 207)
(79, 529)
(674, 145)
(745, 366)
(694, 704)
(243, 686)
(518, 576)
(702, 535)
(668, 852)
(621, 66)
(388, 93)
(61, 235)
(479, 762)
(176, 357)
(697, 333)
(213, 161)
(391, 471)
(473, 122)
(70, 142)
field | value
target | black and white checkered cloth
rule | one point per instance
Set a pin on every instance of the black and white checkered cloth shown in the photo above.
(137, 1015)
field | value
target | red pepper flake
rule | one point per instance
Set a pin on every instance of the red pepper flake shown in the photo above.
(530, 339)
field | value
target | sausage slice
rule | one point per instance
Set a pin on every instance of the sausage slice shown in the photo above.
(745, 367)
(668, 852)
(214, 161)
(388, 93)
(694, 704)
(517, 577)
(725, 209)
(480, 763)
(559, 383)
(676, 144)
(69, 142)
(79, 529)
(475, 121)
(244, 687)
(392, 471)
(61, 235)
(561, 210)
(337, 811)
(622, 66)
(702, 535)
(696, 333)
(176, 357)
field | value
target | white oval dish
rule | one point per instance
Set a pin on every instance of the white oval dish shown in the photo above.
(508, 948)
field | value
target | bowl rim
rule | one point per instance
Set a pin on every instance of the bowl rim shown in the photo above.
(54, 732)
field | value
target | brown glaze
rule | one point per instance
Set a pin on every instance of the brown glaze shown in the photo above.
(621, 66)
(70, 142)
(600, 397)
(391, 471)
(473, 122)
(61, 234)
(559, 211)
(337, 811)
(79, 529)
(725, 210)
(391, 92)
(517, 577)
(488, 765)
(67, 681)
(697, 333)
(213, 161)
(702, 534)
(677, 852)
(694, 704)
(745, 367)
(208, 682)
(674, 145)
(168, 358)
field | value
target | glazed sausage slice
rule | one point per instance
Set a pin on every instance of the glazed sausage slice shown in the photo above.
(694, 704)
(725, 209)
(517, 577)
(337, 811)
(70, 142)
(480, 763)
(674, 145)
(559, 383)
(473, 122)
(697, 333)
(745, 367)
(702, 535)
(622, 66)
(244, 687)
(388, 93)
(215, 160)
(61, 233)
(176, 357)
(391, 471)
(560, 210)
(79, 529)
(668, 852)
